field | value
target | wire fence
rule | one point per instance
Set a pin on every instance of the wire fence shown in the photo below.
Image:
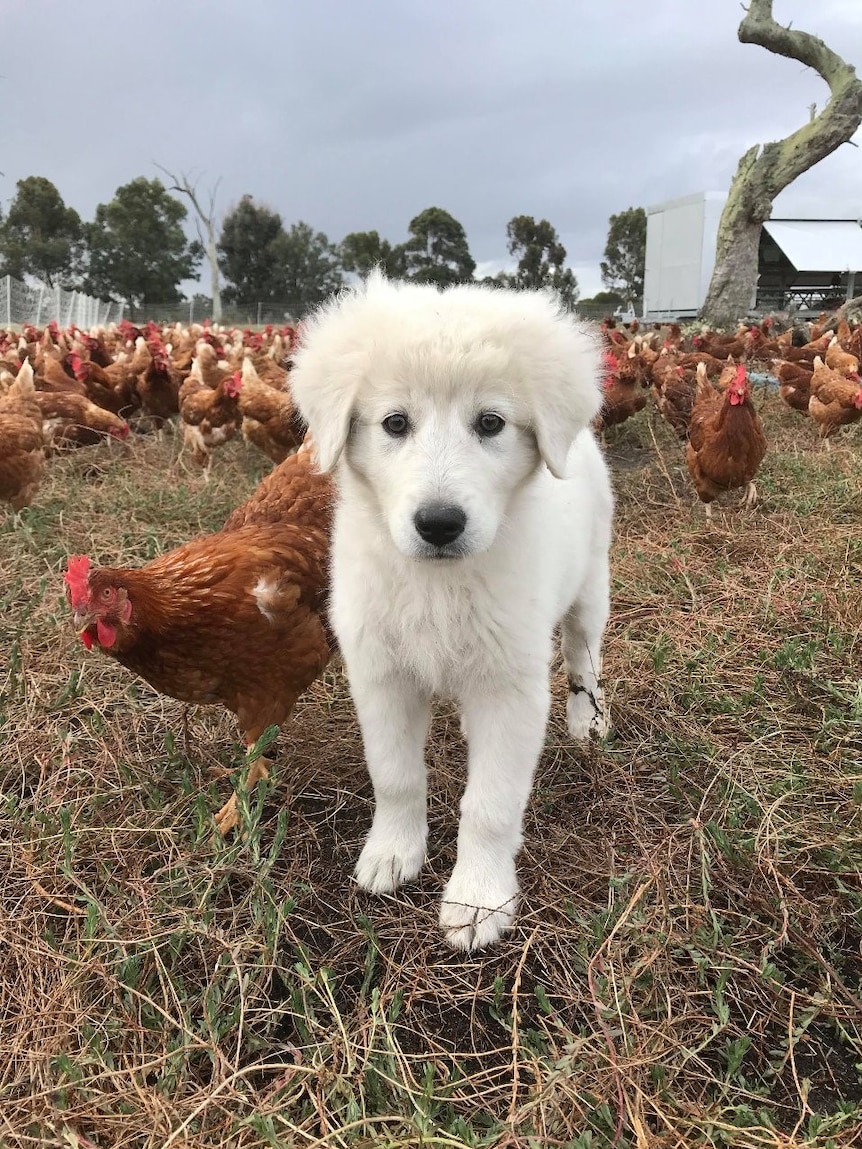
(20, 303)
(258, 314)
(190, 311)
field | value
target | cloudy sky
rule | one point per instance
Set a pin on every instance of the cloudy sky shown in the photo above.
(357, 114)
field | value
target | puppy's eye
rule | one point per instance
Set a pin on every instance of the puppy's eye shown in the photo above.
(396, 424)
(489, 424)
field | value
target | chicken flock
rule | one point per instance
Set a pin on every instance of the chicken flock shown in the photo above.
(61, 389)
(238, 617)
(701, 388)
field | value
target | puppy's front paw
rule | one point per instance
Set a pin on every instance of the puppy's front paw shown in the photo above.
(477, 907)
(587, 713)
(388, 862)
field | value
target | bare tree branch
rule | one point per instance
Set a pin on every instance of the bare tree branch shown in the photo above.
(764, 172)
(186, 184)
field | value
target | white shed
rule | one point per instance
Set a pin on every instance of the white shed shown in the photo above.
(680, 254)
(804, 265)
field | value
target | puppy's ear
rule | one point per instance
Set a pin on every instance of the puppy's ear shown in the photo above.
(564, 408)
(329, 365)
(558, 360)
(329, 423)
(554, 435)
(324, 390)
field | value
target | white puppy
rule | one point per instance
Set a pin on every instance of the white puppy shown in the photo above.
(474, 515)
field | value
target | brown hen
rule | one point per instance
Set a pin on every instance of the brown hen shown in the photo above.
(235, 618)
(726, 443)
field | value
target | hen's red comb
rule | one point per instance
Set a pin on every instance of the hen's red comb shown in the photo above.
(77, 579)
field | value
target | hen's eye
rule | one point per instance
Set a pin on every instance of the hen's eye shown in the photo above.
(107, 594)
(396, 424)
(489, 424)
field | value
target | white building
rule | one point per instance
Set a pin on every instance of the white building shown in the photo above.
(805, 265)
(680, 254)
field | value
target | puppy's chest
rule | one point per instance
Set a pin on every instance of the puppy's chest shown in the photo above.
(445, 635)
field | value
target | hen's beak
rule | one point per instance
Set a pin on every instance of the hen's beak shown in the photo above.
(83, 620)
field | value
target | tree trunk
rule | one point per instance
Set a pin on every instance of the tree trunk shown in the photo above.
(215, 271)
(765, 171)
(184, 185)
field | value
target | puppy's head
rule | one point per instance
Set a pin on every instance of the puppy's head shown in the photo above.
(443, 404)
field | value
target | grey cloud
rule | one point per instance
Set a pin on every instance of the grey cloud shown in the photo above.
(358, 115)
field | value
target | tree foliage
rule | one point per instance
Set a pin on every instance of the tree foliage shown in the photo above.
(264, 263)
(307, 267)
(249, 255)
(437, 250)
(625, 253)
(361, 251)
(541, 258)
(40, 236)
(607, 299)
(138, 249)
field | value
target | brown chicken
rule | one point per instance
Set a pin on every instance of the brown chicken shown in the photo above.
(52, 376)
(841, 361)
(98, 392)
(850, 338)
(835, 400)
(205, 366)
(235, 618)
(623, 392)
(721, 345)
(22, 455)
(726, 443)
(210, 416)
(673, 390)
(269, 419)
(158, 385)
(794, 383)
(70, 420)
(114, 387)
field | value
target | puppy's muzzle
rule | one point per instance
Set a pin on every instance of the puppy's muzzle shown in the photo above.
(439, 523)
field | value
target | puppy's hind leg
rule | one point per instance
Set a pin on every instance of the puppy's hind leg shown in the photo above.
(394, 721)
(582, 631)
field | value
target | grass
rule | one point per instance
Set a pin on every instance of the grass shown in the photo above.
(686, 966)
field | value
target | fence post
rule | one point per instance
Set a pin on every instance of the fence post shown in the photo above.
(258, 313)
(8, 300)
(191, 312)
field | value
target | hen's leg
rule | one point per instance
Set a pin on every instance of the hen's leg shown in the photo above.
(750, 496)
(228, 817)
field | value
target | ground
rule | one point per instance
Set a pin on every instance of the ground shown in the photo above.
(685, 969)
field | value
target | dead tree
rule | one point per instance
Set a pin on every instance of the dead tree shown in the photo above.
(765, 170)
(205, 222)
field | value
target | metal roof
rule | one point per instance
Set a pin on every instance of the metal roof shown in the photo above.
(819, 244)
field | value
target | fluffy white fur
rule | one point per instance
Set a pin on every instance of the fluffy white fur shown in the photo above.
(473, 620)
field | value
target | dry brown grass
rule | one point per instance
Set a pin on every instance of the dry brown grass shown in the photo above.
(686, 966)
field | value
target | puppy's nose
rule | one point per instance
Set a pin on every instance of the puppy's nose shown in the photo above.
(439, 523)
